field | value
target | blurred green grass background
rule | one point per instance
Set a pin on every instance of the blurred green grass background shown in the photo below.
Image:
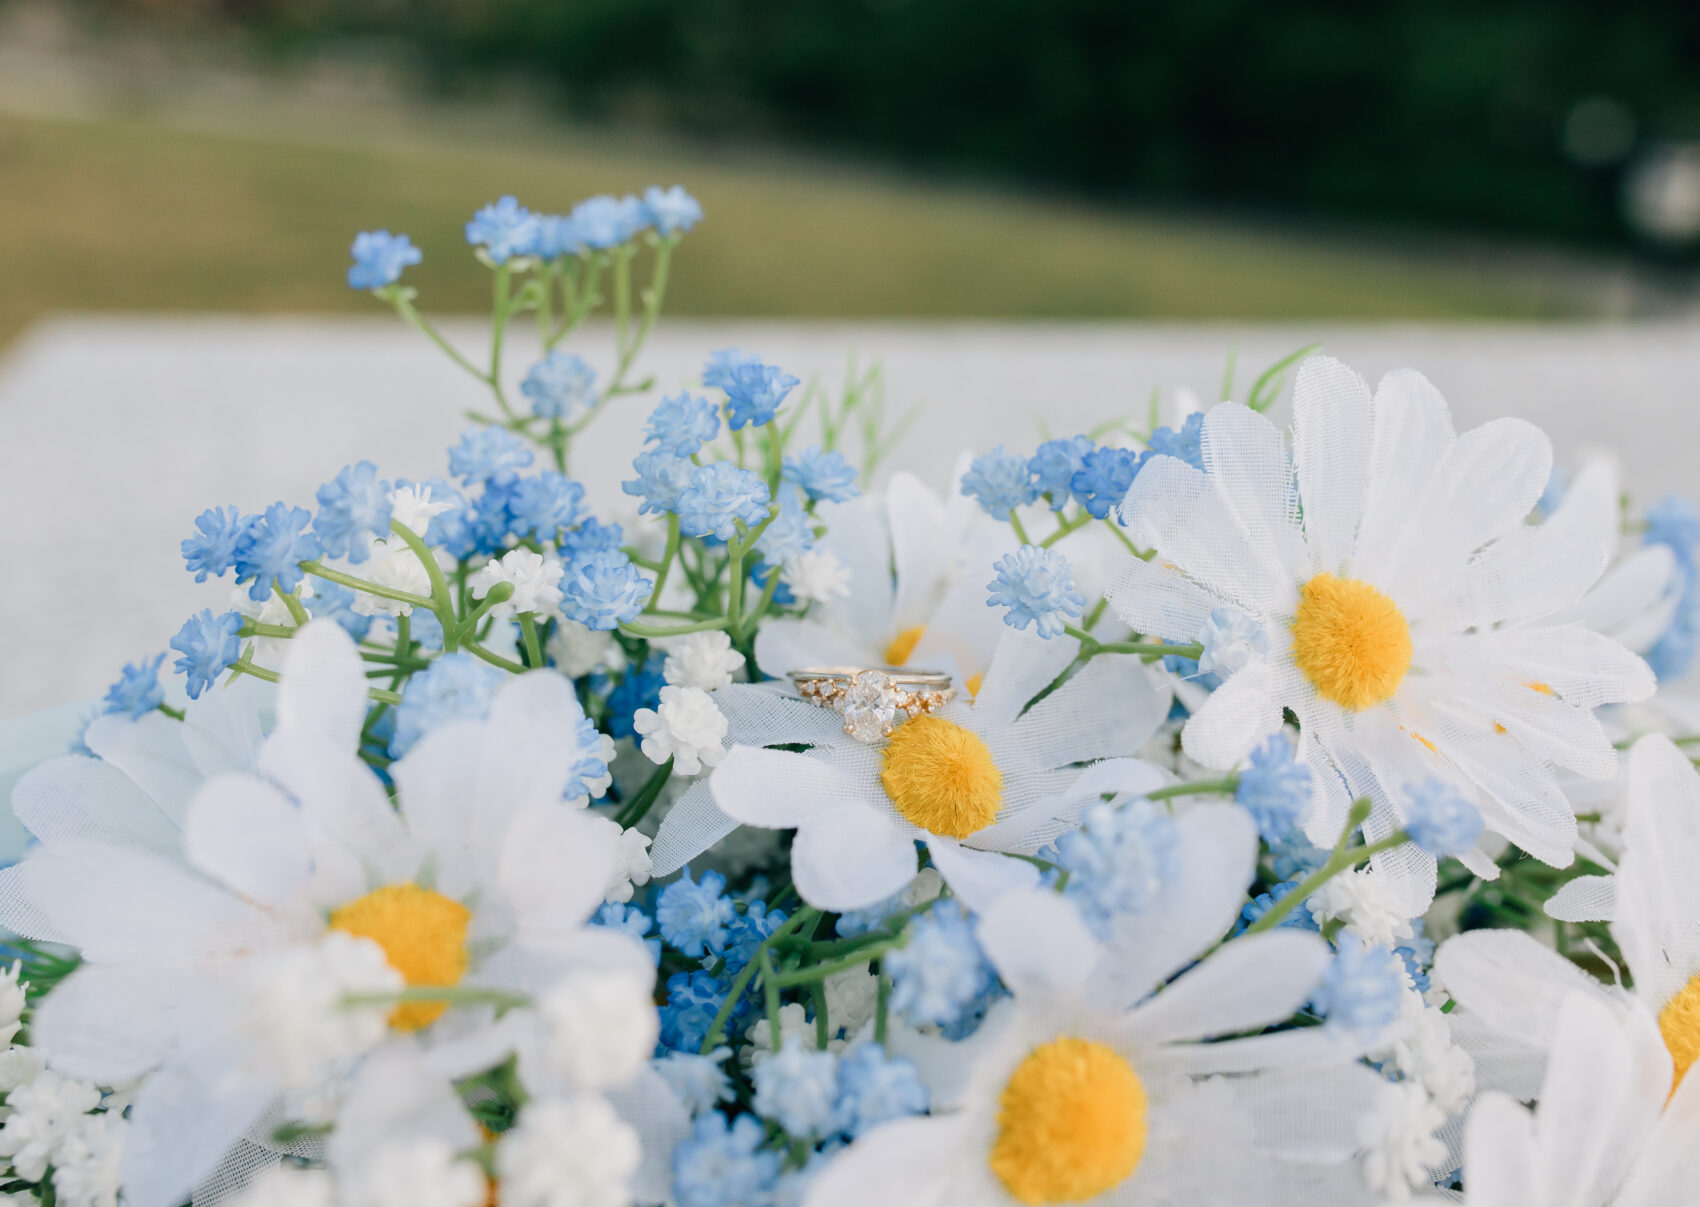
(134, 213)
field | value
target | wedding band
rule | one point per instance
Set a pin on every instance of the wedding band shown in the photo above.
(869, 698)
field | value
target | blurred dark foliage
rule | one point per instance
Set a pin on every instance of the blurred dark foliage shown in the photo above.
(1452, 112)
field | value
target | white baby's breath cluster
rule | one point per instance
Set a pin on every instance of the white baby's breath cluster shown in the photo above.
(1273, 800)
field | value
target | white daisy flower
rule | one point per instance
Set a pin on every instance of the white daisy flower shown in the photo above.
(1608, 1130)
(479, 877)
(702, 660)
(1068, 1095)
(1511, 986)
(687, 727)
(917, 591)
(1405, 601)
(535, 579)
(973, 780)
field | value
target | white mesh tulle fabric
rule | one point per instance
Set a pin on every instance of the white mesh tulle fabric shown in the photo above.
(1331, 445)
(250, 1157)
(1584, 899)
(1175, 509)
(82, 798)
(1155, 599)
(151, 751)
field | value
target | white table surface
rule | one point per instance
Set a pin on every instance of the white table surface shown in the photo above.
(116, 433)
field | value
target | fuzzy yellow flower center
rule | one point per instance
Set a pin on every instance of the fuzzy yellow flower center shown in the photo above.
(1071, 1123)
(903, 645)
(1351, 641)
(423, 934)
(1679, 1023)
(941, 777)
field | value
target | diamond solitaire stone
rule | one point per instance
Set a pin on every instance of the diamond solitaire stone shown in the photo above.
(869, 706)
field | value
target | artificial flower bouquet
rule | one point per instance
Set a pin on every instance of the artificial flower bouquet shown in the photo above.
(758, 838)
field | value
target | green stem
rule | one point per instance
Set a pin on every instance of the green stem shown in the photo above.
(404, 307)
(666, 565)
(652, 631)
(819, 972)
(500, 593)
(1066, 527)
(1122, 537)
(441, 602)
(770, 996)
(882, 1007)
(318, 570)
(455, 995)
(639, 805)
(494, 659)
(297, 613)
(1342, 858)
(1020, 532)
(498, 328)
(1225, 787)
(717, 1029)
(533, 647)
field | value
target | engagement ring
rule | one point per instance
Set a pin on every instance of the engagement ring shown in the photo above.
(870, 699)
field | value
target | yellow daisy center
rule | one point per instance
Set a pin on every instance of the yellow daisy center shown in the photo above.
(941, 777)
(903, 645)
(1679, 1023)
(1071, 1123)
(1351, 641)
(423, 934)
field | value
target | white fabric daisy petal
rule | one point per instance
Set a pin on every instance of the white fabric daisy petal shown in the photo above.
(693, 825)
(1238, 715)
(784, 644)
(777, 789)
(851, 857)
(150, 750)
(1511, 981)
(168, 910)
(1157, 599)
(1331, 443)
(528, 752)
(243, 832)
(1214, 857)
(905, 1161)
(342, 799)
(180, 1126)
(1022, 666)
(434, 781)
(1252, 982)
(1410, 430)
(1038, 942)
(1669, 1164)
(75, 797)
(1173, 507)
(555, 862)
(1111, 706)
(1658, 909)
(920, 547)
(323, 687)
(1485, 484)
(1634, 601)
(396, 1093)
(1499, 1149)
(91, 1040)
(648, 1103)
(979, 878)
(1606, 1081)
(1246, 459)
(1584, 899)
